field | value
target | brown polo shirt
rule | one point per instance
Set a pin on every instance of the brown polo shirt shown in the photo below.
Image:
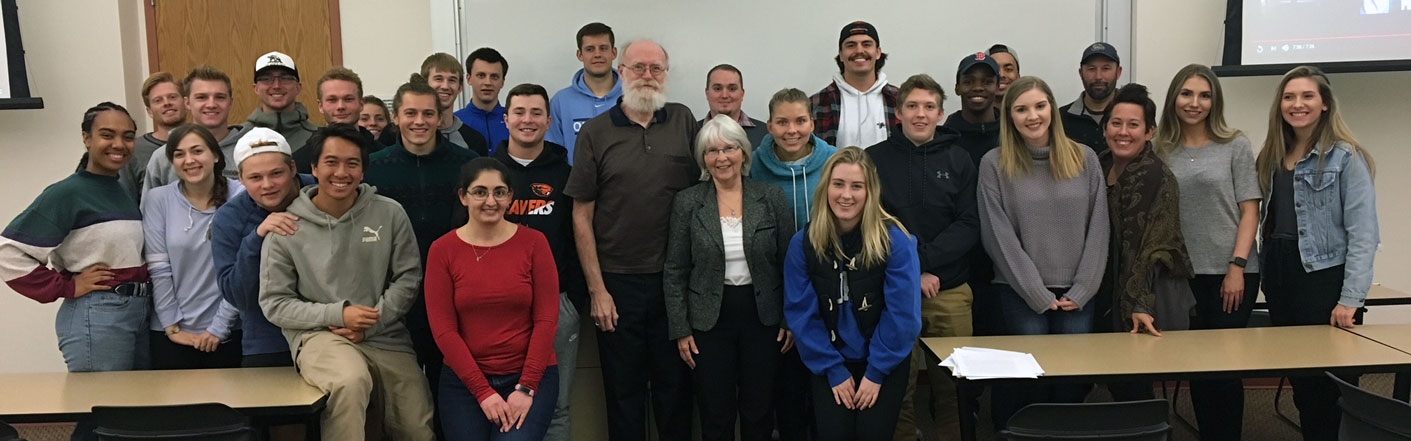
(632, 173)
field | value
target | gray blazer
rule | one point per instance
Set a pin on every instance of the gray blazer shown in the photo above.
(694, 274)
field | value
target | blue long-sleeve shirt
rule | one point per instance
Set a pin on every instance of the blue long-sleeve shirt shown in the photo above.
(894, 335)
(235, 250)
(178, 253)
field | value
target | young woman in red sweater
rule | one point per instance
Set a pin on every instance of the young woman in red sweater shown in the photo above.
(492, 297)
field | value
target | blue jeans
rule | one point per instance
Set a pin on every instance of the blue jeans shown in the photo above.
(462, 419)
(104, 331)
(1020, 320)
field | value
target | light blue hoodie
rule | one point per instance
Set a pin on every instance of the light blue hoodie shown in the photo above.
(798, 179)
(575, 105)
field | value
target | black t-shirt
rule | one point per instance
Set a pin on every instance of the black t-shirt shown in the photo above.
(1281, 202)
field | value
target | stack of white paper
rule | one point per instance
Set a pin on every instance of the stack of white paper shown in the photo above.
(981, 364)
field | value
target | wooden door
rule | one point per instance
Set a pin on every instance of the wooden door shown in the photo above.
(230, 34)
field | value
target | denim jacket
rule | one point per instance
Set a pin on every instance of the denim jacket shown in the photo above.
(1337, 217)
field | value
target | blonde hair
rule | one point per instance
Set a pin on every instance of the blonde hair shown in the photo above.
(1065, 157)
(1168, 132)
(1329, 130)
(823, 234)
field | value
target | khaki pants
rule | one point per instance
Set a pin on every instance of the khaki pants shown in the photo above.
(354, 376)
(945, 315)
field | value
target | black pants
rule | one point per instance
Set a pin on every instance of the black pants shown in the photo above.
(793, 401)
(272, 359)
(428, 355)
(638, 354)
(837, 423)
(735, 370)
(1295, 298)
(169, 355)
(1219, 404)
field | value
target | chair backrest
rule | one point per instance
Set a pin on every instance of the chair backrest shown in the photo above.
(1126, 421)
(203, 422)
(8, 432)
(1370, 417)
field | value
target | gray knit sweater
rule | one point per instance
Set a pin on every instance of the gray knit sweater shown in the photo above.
(1044, 232)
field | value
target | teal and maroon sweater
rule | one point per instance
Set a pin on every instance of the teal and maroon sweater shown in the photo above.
(84, 220)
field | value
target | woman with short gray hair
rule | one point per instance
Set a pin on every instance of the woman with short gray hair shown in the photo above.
(724, 284)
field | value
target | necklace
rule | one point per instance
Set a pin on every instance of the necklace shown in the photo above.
(1187, 151)
(733, 220)
(478, 254)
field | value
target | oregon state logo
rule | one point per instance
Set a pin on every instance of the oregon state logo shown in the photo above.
(542, 190)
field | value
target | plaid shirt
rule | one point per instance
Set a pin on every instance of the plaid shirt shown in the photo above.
(827, 110)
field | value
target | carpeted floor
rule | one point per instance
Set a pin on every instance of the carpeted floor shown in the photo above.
(1260, 422)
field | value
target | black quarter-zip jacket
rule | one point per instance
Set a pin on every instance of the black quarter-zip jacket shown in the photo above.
(931, 189)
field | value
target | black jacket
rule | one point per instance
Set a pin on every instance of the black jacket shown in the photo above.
(539, 203)
(931, 189)
(976, 139)
(1080, 127)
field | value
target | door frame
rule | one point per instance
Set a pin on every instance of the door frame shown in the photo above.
(335, 33)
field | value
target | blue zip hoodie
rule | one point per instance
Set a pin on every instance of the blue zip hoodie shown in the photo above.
(235, 249)
(798, 180)
(491, 124)
(576, 104)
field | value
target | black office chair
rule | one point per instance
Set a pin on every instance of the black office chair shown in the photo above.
(204, 422)
(1125, 421)
(9, 433)
(1370, 417)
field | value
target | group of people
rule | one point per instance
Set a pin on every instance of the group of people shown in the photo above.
(779, 281)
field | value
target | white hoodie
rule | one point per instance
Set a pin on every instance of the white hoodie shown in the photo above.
(862, 115)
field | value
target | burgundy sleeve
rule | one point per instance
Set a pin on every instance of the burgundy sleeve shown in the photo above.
(445, 321)
(545, 314)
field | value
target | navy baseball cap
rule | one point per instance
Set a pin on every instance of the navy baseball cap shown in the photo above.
(1100, 48)
(976, 59)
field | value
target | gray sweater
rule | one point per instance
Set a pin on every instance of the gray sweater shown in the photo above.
(1044, 232)
(367, 257)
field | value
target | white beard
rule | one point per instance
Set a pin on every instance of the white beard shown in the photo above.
(642, 99)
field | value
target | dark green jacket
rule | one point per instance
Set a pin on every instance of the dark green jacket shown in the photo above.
(424, 185)
(694, 274)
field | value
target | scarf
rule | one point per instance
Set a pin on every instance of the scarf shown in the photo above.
(1147, 245)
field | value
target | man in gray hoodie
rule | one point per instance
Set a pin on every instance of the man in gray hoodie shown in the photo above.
(277, 85)
(339, 288)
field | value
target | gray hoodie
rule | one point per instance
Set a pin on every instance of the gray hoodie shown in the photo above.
(368, 257)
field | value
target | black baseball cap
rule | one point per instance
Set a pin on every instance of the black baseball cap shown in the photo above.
(976, 59)
(1100, 48)
(856, 28)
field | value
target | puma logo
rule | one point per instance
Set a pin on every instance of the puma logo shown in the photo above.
(371, 235)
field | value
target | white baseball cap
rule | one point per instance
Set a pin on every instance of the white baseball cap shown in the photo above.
(260, 140)
(275, 59)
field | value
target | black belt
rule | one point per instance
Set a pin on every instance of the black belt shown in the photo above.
(133, 289)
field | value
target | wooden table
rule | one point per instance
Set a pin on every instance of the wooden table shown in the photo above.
(262, 393)
(1397, 337)
(1206, 354)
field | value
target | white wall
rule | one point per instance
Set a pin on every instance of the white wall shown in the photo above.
(384, 41)
(789, 43)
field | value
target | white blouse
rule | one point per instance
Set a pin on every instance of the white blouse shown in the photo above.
(737, 271)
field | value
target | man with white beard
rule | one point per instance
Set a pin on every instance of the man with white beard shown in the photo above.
(628, 165)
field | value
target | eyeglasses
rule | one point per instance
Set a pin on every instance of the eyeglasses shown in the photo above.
(656, 69)
(271, 79)
(480, 193)
(726, 151)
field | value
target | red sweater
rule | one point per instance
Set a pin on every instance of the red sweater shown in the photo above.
(496, 316)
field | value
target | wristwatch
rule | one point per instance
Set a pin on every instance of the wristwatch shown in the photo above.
(525, 389)
(1239, 261)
